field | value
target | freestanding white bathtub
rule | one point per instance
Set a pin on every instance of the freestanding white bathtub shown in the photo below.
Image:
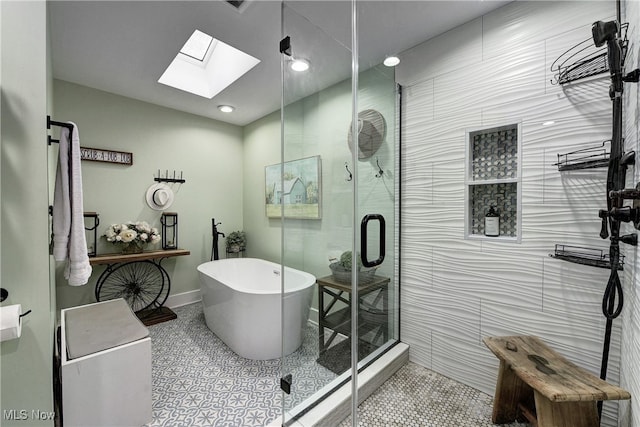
(242, 301)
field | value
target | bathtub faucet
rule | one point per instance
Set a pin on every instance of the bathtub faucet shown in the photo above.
(216, 233)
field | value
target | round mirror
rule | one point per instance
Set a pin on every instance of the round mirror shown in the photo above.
(371, 133)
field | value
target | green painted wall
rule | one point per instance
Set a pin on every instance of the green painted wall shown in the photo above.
(207, 152)
(26, 368)
(261, 148)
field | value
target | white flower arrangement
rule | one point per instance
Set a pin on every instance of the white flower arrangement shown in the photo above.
(132, 234)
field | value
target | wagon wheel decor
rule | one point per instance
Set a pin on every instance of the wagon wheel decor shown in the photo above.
(140, 283)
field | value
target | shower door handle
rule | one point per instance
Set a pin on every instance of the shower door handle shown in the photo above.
(363, 239)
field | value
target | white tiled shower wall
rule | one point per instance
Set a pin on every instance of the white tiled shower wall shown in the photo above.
(494, 71)
(630, 366)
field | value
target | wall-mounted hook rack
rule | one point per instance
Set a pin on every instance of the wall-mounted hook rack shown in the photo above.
(166, 178)
(346, 166)
(380, 171)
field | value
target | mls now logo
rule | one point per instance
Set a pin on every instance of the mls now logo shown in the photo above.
(42, 415)
(23, 414)
(15, 414)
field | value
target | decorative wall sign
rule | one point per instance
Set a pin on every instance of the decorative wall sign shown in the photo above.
(110, 156)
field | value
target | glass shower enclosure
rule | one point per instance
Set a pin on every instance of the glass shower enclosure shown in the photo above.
(337, 197)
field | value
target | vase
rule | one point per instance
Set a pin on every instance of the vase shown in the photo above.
(131, 249)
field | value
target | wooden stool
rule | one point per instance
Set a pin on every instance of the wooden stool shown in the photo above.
(546, 388)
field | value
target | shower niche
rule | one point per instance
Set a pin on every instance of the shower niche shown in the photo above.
(493, 183)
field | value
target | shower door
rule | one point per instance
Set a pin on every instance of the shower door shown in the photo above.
(336, 197)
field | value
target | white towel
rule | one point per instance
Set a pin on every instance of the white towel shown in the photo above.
(69, 241)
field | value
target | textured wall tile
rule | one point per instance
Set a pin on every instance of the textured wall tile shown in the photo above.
(562, 221)
(418, 272)
(420, 96)
(449, 352)
(424, 227)
(567, 288)
(435, 57)
(419, 339)
(514, 279)
(571, 110)
(448, 178)
(519, 23)
(490, 83)
(446, 311)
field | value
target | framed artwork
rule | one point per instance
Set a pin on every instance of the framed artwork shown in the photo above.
(294, 185)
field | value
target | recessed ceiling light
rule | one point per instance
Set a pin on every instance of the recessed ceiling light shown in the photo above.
(205, 66)
(548, 123)
(226, 108)
(391, 61)
(299, 65)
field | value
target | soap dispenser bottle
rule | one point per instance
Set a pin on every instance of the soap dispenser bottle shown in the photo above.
(492, 223)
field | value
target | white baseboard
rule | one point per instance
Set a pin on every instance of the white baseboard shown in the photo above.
(313, 316)
(184, 298)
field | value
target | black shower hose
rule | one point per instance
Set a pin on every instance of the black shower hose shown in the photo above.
(612, 303)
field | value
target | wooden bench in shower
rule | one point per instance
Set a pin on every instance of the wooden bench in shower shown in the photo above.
(547, 389)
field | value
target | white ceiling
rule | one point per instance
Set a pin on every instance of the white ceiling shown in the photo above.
(123, 47)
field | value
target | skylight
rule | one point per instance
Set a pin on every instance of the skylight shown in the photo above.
(205, 66)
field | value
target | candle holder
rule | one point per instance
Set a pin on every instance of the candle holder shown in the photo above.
(169, 221)
(91, 222)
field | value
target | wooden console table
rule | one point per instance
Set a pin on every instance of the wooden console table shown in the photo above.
(140, 279)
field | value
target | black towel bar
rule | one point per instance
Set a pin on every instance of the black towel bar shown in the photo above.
(55, 123)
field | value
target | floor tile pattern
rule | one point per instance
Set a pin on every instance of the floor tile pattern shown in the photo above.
(199, 381)
(417, 397)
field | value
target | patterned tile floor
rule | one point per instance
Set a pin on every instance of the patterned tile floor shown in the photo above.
(199, 381)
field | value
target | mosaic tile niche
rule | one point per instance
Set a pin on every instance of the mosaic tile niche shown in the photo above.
(504, 198)
(493, 179)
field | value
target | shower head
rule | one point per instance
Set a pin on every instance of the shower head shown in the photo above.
(604, 31)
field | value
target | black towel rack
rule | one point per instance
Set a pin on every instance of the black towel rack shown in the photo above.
(60, 124)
